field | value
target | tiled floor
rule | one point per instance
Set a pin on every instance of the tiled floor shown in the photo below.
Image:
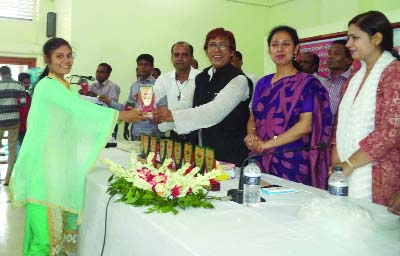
(12, 221)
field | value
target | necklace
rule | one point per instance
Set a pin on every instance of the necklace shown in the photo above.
(177, 82)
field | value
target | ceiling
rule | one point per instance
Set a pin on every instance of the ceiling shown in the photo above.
(262, 3)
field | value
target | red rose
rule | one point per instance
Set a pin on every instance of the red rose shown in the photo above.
(175, 191)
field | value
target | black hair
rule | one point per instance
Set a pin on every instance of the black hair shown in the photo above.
(191, 51)
(157, 70)
(107, 66)
(5, 70)
(145, 56)
(295, 38)
(238, 54)
(346, 50)
(23, 76)
(373, 22)
(48, 48)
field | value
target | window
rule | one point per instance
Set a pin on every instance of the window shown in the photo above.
(17, 9)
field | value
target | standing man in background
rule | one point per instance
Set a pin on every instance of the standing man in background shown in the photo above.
(12, 95)
(25, 80)
(156, 73)
(145, 65)
(177, 85)
(237, 62)
(338, 62)
(309, 62)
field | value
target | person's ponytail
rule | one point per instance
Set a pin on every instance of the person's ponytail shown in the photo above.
(44, 74)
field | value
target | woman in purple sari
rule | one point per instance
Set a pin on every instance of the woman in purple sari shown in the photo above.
(290, 110)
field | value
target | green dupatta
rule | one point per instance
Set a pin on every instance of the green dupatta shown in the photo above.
(64, 138)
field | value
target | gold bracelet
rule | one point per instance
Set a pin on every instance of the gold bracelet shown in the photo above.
(350, 164)
(276, 139)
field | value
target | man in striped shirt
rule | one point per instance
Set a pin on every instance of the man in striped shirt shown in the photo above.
(10, 92)
(338, 62)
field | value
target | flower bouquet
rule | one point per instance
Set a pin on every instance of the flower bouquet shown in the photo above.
(160, 188)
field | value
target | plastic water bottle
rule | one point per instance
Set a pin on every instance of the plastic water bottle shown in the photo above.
(337, 183)
(251, 184)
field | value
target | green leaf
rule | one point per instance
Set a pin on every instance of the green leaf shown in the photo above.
(111, 178)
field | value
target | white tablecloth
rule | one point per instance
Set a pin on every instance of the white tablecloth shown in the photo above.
(229, 229)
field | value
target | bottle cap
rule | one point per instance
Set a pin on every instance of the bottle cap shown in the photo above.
(337, 168)
(252, 161)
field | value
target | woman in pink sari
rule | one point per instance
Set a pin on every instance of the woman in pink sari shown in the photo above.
(290, 111)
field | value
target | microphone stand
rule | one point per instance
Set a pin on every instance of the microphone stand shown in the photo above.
(237, 194)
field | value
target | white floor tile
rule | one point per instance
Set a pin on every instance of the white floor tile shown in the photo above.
(12, 222)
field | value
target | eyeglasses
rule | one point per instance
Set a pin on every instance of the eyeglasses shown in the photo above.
(214, 46)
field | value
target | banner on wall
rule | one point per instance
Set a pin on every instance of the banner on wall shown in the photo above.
(319, 45)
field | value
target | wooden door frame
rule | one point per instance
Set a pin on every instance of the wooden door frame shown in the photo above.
(30, 62)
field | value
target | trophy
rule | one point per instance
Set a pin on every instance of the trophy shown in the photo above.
(146, 144)
(187, 153)
(153, 144)
(163, 150)
(210, 159)
(146, 100)
(178, 154)
(170, 149)
(199, 158)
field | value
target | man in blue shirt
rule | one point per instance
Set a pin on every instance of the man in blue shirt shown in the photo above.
(145, 65)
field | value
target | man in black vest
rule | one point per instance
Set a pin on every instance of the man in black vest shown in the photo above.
(220, 103)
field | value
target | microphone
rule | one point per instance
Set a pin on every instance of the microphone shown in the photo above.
(91, 78)
(237, 194)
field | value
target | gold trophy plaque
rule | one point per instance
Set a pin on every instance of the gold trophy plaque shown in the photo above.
(210, 159)
(153, 144)
(146, 144)
(170, 148)
(199, 157)
(162, 149)
(178, 154)
(187, 153)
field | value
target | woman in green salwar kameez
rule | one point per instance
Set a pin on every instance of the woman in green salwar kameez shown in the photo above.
(64, 138)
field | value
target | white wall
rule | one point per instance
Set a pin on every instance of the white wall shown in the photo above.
(319, 17)
(117, 32)
(22, 38)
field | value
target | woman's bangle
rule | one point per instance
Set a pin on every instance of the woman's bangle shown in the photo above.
(251, 130)
(275, 140)
(350, 164)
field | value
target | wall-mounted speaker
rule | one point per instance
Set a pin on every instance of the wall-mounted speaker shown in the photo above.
(51, 24)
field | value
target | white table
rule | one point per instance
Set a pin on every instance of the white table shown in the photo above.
(229, 229)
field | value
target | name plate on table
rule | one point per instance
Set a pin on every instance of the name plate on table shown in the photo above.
(199, 157)
(153, 144)
(187, 153)
(210, 159)
(178, 154)
(170, 148)
(163, 149)
(146, 100)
